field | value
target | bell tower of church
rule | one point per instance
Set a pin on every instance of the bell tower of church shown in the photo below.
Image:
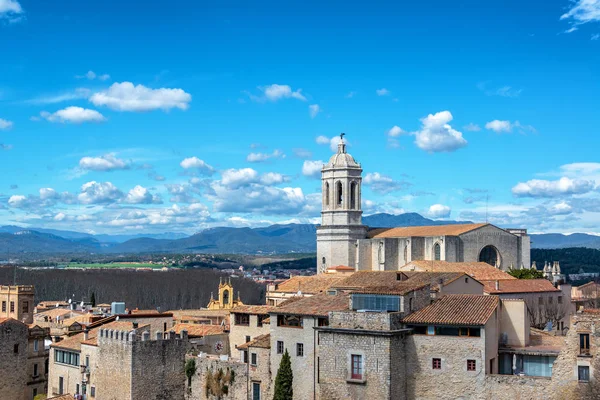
(341, 213)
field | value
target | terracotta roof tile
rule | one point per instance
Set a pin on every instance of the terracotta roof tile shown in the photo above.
(456, 309)
(255, 310)
(519, 286)
(380, 282)
(435, 278)
(58, 312)
(478, 270)
(308, 284)
(262, 341)
(198, 330)
(318, 305)
(435, 230)
(341, 268)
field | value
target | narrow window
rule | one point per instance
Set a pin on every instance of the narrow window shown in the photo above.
(353, 195)
(93, 391)
(466, 280)
(584, 344)
(279, 347)
(253, 359)
(437, 252)
(327, 193)
(247, 339)
(16, 349)
(12, 306)
(3, 306)
(245, 356)
(339, 193)
(357, 367)
(77, 388)
(87, 361)
(34, 392)
(410, 304)
(436, 363)
(549, 300)
(25, 307)
(35, 370)
(583, 373)
(300, 349)
(60, 385)
(35, 345)
(471, 365)
(559, 299)
(165, 327)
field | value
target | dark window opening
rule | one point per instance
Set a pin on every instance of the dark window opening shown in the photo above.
(300, 349)
(353, 195)
(279, 347)
(436, 363)
(225, 297)
(437, 252)
(326, 194)
(339, 193)
(584, 344)
(242, 319)
(357, 368)
(289, 321)
(583, 373)
(489, 254)
(253, 359)
(260, 319)
(471, 365)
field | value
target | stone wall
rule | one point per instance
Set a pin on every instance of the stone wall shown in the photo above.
(506, 243)
(213, 374)
(261, 373)
(365, 320)
(13, 360)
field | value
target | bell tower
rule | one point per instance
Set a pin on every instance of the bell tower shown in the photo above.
(341, 212)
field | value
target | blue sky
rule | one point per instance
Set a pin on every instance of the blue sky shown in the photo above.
(117, 117)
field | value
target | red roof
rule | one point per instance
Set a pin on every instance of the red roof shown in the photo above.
(518, 286)
(456, 309)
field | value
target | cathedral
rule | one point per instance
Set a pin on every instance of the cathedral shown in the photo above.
(342, 239)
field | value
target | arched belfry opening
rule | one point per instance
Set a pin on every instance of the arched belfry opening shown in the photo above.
(326, 194)
(225, 297)
(353, 196)
(490, 254)
(437, 252)
(339, 194)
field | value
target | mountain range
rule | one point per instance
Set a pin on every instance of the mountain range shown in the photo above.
(289, 238)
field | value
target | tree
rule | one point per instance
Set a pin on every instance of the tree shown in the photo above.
(93, 299)
(284, 379)
(526, 273)
(190, 370)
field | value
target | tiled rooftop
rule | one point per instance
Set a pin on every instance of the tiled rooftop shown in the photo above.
(250, 309)
(456, 309)
(198, 330)
(435, 278)
(384, 282)
(308, 284)
(57, 312)
(318, 305)
(519, 286)
(262, 341)
(436, 230)
(478, 270)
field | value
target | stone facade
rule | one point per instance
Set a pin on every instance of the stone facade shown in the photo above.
(17, 302)
(239, 334)
(213, 374)
(13, 360)
(37, 361)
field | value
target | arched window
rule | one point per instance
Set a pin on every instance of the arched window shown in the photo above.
(339, 193)
(437, 252)
(410, 304)
(489, 254)
(353, 196)
(225, 297)
(327, 193)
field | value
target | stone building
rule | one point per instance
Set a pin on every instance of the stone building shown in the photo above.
(13, 359)
(301, 286)
(37, 360)
(342, 239)
(260, 383)
(247, 323)
(17, 302)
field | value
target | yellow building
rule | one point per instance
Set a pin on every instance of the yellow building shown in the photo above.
(226, 300)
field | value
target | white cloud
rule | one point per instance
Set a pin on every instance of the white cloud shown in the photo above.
(382, 92)
(544, 188)
(239, 177)
(471, 127)
(383, 184)
(5, 124)
(79, 93)
(99, 192)
(107, 162)
(127, 97)
(500, 126)
(312, 168)
(439, 211)
(9, 8)
(436, 134)
(595, 36)
(261, 157)
(582, 11)
(504, 91)
(332, 142)
(272, 178)
(182, 193)
(141, 195)
(322, 140)
(75, 115)
(196, 163)
(395, 131)
(276, 92)
(313, 110)
(91, 75)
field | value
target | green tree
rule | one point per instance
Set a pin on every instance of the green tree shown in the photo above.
(284, 379)
(93, 299)
(526, 273)
(190, 370)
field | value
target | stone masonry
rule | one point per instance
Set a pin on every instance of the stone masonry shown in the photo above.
(13, 359)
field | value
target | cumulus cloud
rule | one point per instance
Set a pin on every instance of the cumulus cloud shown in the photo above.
(439, 211)
(126, 96)
(383, 184)
(395, 131)
(382, 92)
(239, 177)
(314, 110)
(10, 10)
(332, 142)
(272, 178)
(499, 126)
(141, 195)
(182, 193)
(107, 162)
(47, 197)
(75, 115)
(276, 92)
(595, 36)
(261, 157)
(312, 168)
(436, 134)
(99, 192)
(196, 164)
(5, 124)
(545, 188)
(322, 140)
(471, 127)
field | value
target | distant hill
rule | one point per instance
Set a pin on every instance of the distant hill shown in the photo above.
(300, 238)
(572, 259)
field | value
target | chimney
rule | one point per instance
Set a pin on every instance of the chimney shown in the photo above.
(497, 285)
(85, 334)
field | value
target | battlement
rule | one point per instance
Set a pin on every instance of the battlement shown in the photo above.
(111, 336)
(18, 289)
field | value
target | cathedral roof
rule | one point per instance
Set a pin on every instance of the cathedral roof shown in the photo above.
(478, 270)
(456, 309)
(435, 230)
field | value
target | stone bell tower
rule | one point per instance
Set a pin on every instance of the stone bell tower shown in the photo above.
(341, 213)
